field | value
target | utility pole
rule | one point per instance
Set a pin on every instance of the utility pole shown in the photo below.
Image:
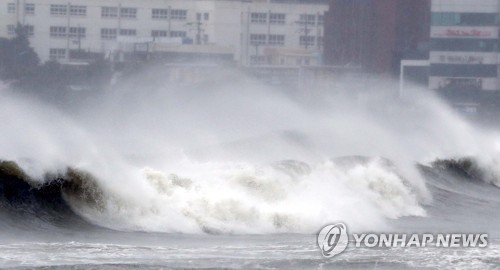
(318, 31)
(198, 32)
(169, 21)
(257, 44)
(247, 43)
(24, 11)
(79, 33)
(18, 10)
(119, 15)
(68, 7)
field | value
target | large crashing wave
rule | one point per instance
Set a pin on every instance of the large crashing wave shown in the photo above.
(286, 196)
(282, 197)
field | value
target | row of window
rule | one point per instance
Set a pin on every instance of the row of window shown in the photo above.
(11, 30)
(29, 8)
(55, 54)
(63, 10)
(107, 12)
(74, 32)
(115, 12)
(280, 18)
(274, 18)
(163, 33)
(165, 14)
(459, 70)
(111, 33)
(122, 12)
(464, 19)
(107, 33)
(262, 39)
(464, 45)
(81, 32)
(266, 60)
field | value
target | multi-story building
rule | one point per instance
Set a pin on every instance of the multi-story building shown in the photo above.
(464, 52)
(245, 30)
(376, 35)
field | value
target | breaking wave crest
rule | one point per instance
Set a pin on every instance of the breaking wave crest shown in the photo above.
(472, 168)
(285, 196)
(281, 197)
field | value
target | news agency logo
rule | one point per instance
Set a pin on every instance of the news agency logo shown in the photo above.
(333, 240)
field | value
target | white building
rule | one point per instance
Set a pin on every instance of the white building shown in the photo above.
(243, 29)
(464, 53)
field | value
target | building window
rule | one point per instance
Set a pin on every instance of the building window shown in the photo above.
(178, 14)
(109, 12)
(57, 31)
(205, 16)
(29, 9)
(464, 19)
(78, 10)
(58, 10)
(77, 32)
(258, 17)
(29, 30)
(463, 70)
(11, 8)
(464, 45)
(158, 33)
(11, 30)
(257, 39)
(277, 18)
(128, 13)
(128, 32)
(258, 60)
(276, 39)
(307, 41)
(177, 33)
(55, 54)
(108, 33)
(159, 13)
(308, 19)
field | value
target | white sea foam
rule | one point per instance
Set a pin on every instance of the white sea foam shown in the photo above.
(242, 198)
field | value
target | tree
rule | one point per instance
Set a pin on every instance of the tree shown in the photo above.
(19, 63)
(18, 60)
(4, 57)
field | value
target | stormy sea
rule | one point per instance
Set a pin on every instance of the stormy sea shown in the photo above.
(229, 173)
